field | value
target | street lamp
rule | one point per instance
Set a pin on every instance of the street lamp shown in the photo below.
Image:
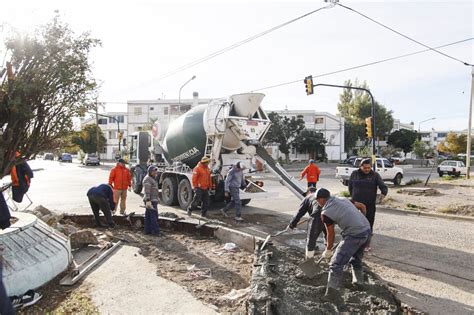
(419, 124)
(179, 97)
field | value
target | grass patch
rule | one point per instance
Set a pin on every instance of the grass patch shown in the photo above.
(411, 206)
(344, 194)
(414, 181)
(449, 177)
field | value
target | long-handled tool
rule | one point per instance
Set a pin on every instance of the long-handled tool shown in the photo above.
(279, 233)
(311, 268)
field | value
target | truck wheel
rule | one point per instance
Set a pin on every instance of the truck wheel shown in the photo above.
(345, 182)
(137, 185)
(440, 174)
(169, 191)
(245, 202)
(398, 179)
(457, 174)
(185, 193)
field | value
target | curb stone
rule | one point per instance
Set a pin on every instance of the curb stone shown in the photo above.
(429, 214)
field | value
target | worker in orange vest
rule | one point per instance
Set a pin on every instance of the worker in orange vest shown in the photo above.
(201, 184)
(311, 172)
(121, 180)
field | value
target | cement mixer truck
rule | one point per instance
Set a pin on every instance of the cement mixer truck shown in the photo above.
(225, 130)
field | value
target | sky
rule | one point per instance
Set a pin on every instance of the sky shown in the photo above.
(142, 40)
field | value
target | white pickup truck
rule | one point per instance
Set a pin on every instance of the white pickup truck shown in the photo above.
(387, 171)
(451, 167)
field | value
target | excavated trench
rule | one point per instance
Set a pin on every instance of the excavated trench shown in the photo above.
(250, 281)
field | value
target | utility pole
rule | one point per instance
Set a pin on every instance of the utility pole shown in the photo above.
(97, 127)
(469, 128)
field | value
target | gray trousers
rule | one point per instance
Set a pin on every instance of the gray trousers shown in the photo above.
(350, 250)
(235, 202)
(315, 227)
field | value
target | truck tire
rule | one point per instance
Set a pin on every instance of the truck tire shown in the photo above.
(185, 193)
(345, 182)
(245, 202)
(398, 179)
(457, 174)
(169, 191)
(137, 178)
(440, 174)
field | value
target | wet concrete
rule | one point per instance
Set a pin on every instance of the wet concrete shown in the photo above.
(278, 286)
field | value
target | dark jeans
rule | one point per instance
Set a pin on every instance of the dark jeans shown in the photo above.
(315, 227)
(6, 307)
(201, 196)
(235, 202)
(312, 184)
(370, 215)
(151, 219)
(100, 203)
(350, 250)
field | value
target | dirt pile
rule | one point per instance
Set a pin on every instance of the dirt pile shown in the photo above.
(279, 287)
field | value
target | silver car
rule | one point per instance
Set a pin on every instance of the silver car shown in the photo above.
(91, 159)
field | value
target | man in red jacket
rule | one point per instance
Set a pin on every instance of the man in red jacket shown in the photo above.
(121, 180)
(311, 172)
(201, 184)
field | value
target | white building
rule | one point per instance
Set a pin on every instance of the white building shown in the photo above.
(397, 125)
(110, 128)
(331, 126)
(145, 112)
(435, 137)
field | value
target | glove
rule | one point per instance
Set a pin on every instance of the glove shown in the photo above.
(327, 254)
(148, 205)
(291, 226)
(382, 197)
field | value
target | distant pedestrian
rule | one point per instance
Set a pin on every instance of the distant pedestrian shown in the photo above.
(202, 182)
(363, 184)
(102, 198)
(312, 173)
(121, 180)
(315, 225)
(150, 199)
(233, 183)
(355, 230)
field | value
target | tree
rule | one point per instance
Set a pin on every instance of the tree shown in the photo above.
(86, 139)
(403, 139)
(282, 131)
(454, 144)
(312, 142)
(421, 149)
(354, 106)
(389, 151)
(48, 81)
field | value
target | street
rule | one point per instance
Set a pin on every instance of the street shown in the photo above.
(430, 261)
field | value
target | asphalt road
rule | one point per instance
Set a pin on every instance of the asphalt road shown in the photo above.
(430, 261)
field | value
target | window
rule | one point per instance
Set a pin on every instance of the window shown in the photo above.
(387, 163)
(152, 108)
(112, 134)
(442, 135)
(319, 120)
(379, 164)
(137, 111)
(113, 120)
(165, 110)
(102, 121)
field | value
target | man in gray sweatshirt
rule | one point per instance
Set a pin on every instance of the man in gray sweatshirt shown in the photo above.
(233, 183)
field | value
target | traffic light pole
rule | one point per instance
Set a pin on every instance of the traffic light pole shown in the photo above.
(372, 112)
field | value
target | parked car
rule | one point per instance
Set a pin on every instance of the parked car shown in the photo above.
(387, 171)
(65, 157)
(49, 156)
(396, 160)
(350, 160)
(451, 167)
(91, 159)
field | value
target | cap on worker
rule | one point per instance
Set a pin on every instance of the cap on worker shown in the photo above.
(323, 193)
(152, 168)
(366, 161)
(311, 161)
(240, 165)
(122, 161)
(205, 159)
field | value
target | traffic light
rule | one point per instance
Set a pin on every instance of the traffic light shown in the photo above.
(308, 81)
(120, 136)
(368, 127)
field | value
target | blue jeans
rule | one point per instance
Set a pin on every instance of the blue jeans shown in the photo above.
(235, 202)
(151, 219)
(6, 307)
(350, 250)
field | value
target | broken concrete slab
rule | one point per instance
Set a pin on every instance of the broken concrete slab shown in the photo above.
(83, 238)
(419, 191)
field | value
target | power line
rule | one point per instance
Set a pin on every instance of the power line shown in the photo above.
(235, 45)
(364, 65)
(405, 36)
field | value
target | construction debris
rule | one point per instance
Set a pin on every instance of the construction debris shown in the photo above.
(419, 191)
(82, 238)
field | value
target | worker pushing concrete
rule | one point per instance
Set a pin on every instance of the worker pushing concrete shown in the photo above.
(312, 173)
(233, 183)
(363, 185)
(355, 236)
(315, 225)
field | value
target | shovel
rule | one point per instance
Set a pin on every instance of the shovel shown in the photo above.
(279, 233)
(311, 268)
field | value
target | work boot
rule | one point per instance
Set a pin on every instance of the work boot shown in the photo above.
(309, 254)
(204, 215)
(333, 293)
(190, 212)
(239, 219)
(357, 277)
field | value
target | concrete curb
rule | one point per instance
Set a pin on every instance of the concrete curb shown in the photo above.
(429, 214)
